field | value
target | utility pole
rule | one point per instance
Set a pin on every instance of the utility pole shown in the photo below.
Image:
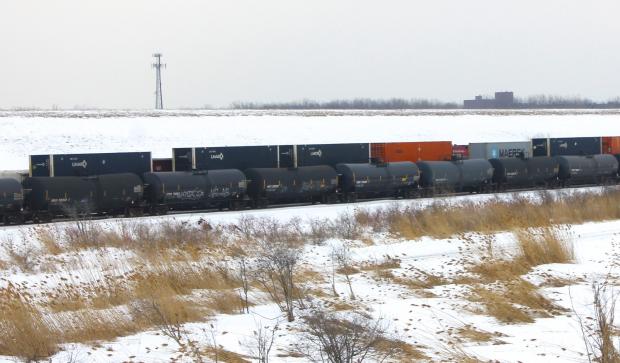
(159, 98)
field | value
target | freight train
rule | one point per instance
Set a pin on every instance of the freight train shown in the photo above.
(43, 199)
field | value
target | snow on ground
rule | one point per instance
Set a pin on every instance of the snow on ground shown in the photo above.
(28, 133)
(426, 320)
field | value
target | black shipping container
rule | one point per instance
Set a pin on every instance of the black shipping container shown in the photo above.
(182, 159)
(233, 157)
(89, 164)
(540, 147)
(40, 165)
(575, 146)
(332, 154)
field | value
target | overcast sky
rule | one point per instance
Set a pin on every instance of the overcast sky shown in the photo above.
(98, 52)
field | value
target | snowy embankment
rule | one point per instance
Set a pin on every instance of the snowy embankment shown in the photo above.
(439, 319)
(28, 133)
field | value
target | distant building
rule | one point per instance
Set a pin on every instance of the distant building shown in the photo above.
(501, 100)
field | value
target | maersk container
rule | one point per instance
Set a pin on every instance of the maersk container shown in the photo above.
(510, 172)
(332, 154)
(475, 174)
(575, 146)
(89, 164)
(439, 175)
(500, 150)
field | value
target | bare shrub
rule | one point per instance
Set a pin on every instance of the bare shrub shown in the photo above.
(342, 255)
(329, 338)
(24, 255)
(319, 231)
(599, 334)
(277, 261)
(346, 226)
(263, 338)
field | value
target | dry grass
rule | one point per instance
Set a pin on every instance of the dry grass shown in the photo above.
(400, 351)
(386, 263)
(471, 334)
(225, 356)
(441, 220)
(497, 305)
(544, 246)
(225, 302)
(24, 331)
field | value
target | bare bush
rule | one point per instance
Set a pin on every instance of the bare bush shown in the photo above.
(342, 254)
(600, 333)
(263, 338)
(330, 338)
(277, 261)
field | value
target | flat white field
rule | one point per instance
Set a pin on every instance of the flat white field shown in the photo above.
(28, 133)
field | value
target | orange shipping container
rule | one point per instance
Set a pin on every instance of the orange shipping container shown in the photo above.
(611, 145)
(411, 151)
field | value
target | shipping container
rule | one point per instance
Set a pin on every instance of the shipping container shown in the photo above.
(332, 154)
(233, 157)
(540, 147)
(500, 150)
(89, 164)
(460, 152)
(611, 145)
(162, 164)
(412, 151)
(575, 146)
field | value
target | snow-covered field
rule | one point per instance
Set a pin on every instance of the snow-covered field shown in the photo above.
(431, 319)
(28, 133)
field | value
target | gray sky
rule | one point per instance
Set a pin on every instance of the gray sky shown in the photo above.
(98, 52)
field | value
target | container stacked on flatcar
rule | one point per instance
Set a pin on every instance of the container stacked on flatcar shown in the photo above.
(497, 150)
(89, 164)
(570, 146)
(411, 151)
(331, 154)
(232, 157)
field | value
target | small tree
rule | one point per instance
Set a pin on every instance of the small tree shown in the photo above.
(342, 255)
(278, 258)
(263, 338)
